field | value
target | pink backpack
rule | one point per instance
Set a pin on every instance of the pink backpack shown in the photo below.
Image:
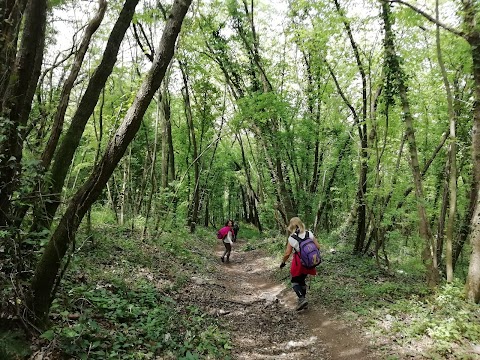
(223, 232)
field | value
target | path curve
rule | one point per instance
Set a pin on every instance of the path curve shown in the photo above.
(259, 313)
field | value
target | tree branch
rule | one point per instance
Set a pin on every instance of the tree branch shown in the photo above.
(431, 18)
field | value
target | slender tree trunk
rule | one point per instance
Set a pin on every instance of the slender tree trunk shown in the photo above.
(123, 192)
(326, 191)
(50, 261)
(452, 182)
(168, 173)
(59, 116)
(362, 132)
(188, 113)
(429, 253)
(154, 161)
(443, 212)
(64, 154)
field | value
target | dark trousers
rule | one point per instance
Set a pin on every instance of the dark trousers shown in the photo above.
(228, 249)
(299, 285)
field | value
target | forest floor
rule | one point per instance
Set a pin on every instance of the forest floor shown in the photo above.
(258, 310)
(172, 298)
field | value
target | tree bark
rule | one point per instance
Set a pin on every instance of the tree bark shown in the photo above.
(50, 261)
(193, 214)
(17, 100)
(394, 69)
(64, 154)
(10, 21)
(470, 13)
(452, 181)
(168, 156)
(59, 117)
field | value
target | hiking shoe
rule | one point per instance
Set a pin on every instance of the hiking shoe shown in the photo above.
(223, 260)
(302, 304)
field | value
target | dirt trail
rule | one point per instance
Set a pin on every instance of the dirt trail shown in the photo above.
(259, 312)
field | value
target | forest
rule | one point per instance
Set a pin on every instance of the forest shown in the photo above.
(132, 130)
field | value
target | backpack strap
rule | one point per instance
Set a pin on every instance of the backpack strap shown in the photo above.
(298, 238)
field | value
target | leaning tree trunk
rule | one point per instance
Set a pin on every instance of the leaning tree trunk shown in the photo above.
(64, 154)
(49, 264)
(59, 116)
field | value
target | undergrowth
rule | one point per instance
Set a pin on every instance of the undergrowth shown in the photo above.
(405, 318)
(116, 301)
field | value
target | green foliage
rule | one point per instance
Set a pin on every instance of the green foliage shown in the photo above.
(117, 307)
(363, 284)
(132, 323)
(261, 108)
(444, 319)
(13, 345)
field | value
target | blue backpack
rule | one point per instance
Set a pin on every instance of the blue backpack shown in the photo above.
(309, 254)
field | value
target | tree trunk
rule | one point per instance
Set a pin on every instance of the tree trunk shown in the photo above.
(362, 133)
(168, 173)
(326, 191)
(472, 286)
(17, 100)
(64, 154)
(10, 20)
(394, 70)
(50, 261)
(59, 116)
(452, 181)
(154, 161)
(193, 214)
(443, 212)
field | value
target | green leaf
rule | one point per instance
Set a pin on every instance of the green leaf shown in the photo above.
(48, 335)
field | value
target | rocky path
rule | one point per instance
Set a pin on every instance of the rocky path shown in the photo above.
(259, 312)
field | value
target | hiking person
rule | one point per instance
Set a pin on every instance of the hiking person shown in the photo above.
(235, 231)
(226, 234)
(298, 271)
